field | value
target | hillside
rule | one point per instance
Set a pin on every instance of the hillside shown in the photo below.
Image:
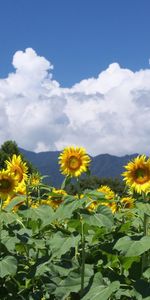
(103, 165)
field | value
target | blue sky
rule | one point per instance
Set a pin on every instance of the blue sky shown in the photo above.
(80, 37)
(98, 94)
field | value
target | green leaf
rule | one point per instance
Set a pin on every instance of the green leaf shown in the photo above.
(65, 182)
(122, 292)
(8, 241)
(53, 269)
(45, 213)
(60, 244)
(15, 201)
(101, 291)
(129, 247)
(66, 210)
(103, 218)
(146, 274)
(73, 282)
(42, 269)
(143, 208)
(128, 261)
(95, 195)
(8, 266)
(7, 218)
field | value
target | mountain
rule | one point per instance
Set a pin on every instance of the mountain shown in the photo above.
(103, 165)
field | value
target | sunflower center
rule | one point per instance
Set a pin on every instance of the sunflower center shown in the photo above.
(5, 185)
(74, 163)
(141, 175)
(127, 204)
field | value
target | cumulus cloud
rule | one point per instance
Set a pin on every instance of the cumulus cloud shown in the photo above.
(107, 114)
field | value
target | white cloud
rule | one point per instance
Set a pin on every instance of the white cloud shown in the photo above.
(107, 114)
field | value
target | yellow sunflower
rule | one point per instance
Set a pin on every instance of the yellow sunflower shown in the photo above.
(6, 202)
(17, 167)
(74, 161)
(35, 179)
(21, 188)
(8, 184)
(111, 205)
(107, 191)
(109, 195)
(137, 175)
(33, 204)
(127, 202)
(92, 206)
(56, 199)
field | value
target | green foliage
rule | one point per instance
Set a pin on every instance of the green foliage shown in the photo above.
(72, 253)
(42, 253)
(8, 266)
(7, 150)
(94, 182)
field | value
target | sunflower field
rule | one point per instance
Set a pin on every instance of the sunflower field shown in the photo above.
(94, 245)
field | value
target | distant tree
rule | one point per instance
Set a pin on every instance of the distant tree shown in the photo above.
(7, 150)
(93, 182)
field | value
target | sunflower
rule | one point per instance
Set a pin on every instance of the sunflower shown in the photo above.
(17, 167)
(6, 202)
(56, 198)
(21, 188)
(109, 195)
(137, 175)
(111, 205)
(127, 202)
(74, 161)
(35, 179)
(8, 183)
(107, 191)
(92, 206)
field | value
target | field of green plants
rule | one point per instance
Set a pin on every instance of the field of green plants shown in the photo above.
(94, 245)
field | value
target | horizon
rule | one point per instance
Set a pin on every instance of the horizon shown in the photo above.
(87, 153)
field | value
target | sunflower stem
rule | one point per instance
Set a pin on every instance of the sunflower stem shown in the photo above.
(1, 225)
(78, 188)
(27, 195)
(82, 257)
(146, 223)
(1, 204)
(39, 195)
(146, 255)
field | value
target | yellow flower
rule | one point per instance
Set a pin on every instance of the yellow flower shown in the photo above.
(8, 184)
(21, 188)
(106, 190)
(109, 195)
(111, 205)
(92, 205)
(56, 199)
(74, 161)
(137, 175)
(17, 167)
(35, 179)
(127, 202)
(6, 202)
(34, 205)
